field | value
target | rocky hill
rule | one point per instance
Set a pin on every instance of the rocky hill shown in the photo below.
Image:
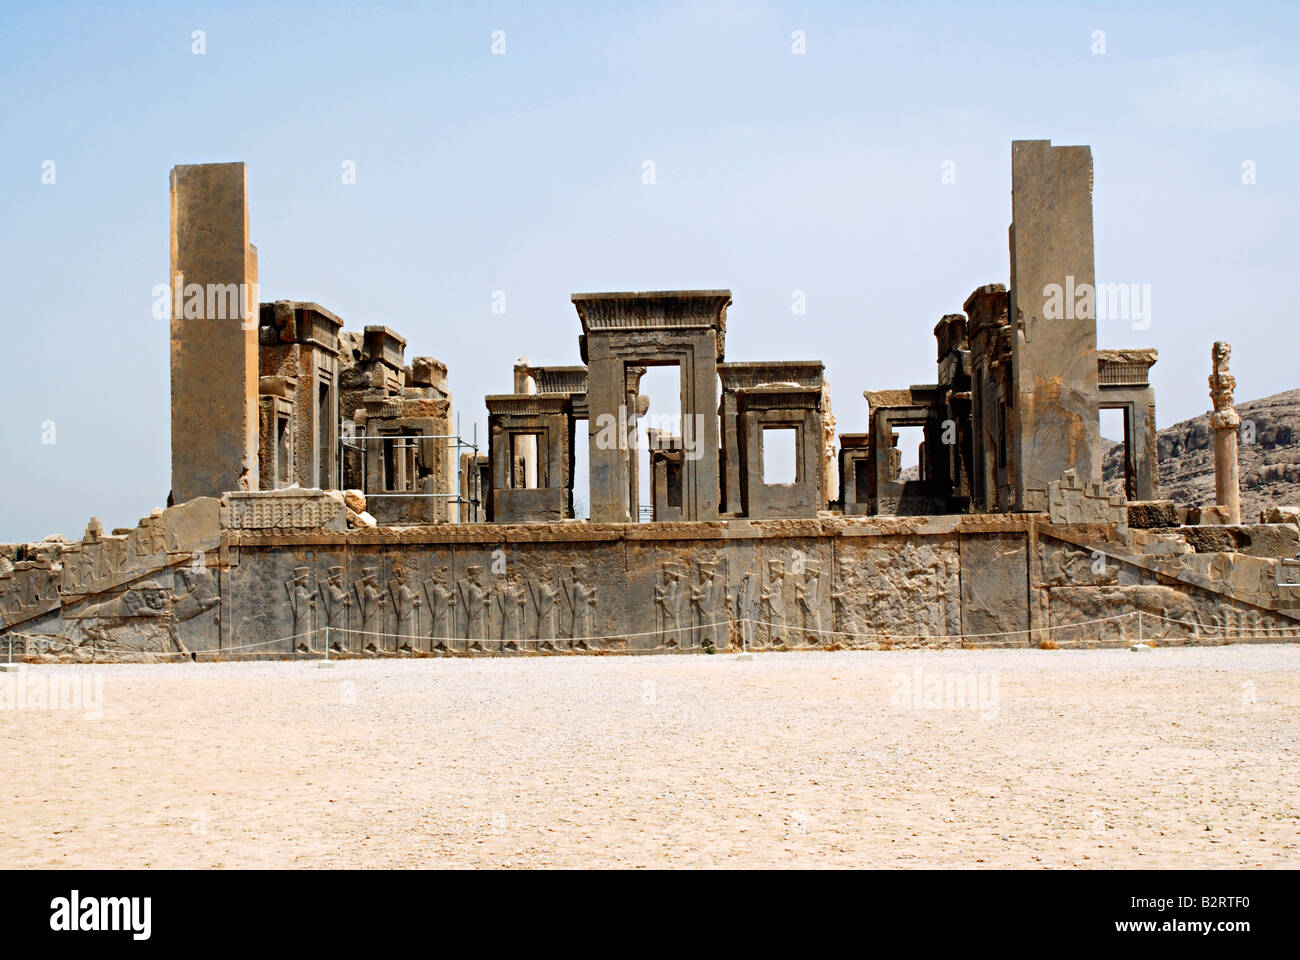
(1270, 465)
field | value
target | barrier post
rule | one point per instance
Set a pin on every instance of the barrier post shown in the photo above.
(327, 662)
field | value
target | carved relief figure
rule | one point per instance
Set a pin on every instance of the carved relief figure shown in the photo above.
(442, 607)
(510, 597)
(1066, 566)
(740, 603)
(406, 603)
(86, 569)
(583, 602)
(337, 603)
(370, 600)
(545, 594)
(197, 592)
(143, 600)
(140, 618)
(303, 604)
(475, 596)
(841, 607)
(807, 593)
(667, 603)
(771, 603)
(10, 600)
(519, 597)
(704, 631)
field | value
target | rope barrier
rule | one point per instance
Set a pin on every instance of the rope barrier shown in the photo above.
(1253, 633)
(939, 636)
(1199, 630)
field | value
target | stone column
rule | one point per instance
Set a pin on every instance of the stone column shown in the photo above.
(1053, 316)
(525, 384)
(830, 478)
(214, 375)
(1225, 421)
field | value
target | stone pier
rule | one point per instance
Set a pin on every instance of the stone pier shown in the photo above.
(1053, 319)
(214, 350)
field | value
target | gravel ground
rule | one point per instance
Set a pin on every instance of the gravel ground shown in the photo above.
(1183, 757)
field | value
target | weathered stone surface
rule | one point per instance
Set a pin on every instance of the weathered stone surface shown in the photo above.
(530, 445)
(1069, 501)
(994, 589)
(273, 588)
(1225, 420)
(1214, 539)
(427, 372)
(1256, 540)
(214, 354)
(298, 358)
(623, 332)
(899, 591)
(1207, 515)
(1053, 318)
(992, 398)
(1282, 515)
(731, 561)
(398, 445)
(283, 510)
(1149, 514)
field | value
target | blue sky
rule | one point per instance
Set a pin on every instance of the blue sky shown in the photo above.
(522, 172)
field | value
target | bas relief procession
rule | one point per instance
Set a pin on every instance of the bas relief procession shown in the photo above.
(322, 504)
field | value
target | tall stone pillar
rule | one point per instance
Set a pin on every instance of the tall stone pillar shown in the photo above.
(527, 446)
(1053, 316)
(214, 372)
(1225, 420)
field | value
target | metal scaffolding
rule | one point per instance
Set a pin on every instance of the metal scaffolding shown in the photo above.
(453, 441)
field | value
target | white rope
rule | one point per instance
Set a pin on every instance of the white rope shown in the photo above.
(937, 636)
(1210, 632)
(1216, 631)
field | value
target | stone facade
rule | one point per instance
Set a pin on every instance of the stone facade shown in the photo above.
(315, 515)
(399, 445)
(279, 573)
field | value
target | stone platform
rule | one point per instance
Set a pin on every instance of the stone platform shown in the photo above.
(281, 575)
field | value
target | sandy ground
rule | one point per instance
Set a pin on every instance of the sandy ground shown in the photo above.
(1174, 758)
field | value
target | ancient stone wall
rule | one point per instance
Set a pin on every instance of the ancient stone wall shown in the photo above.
(279, 574)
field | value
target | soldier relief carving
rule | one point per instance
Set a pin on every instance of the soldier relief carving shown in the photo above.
(481, 612)
(714, 602)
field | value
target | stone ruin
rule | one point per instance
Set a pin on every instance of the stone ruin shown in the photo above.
(322, 501)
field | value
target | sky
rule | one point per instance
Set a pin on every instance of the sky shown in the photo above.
(870, 173)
